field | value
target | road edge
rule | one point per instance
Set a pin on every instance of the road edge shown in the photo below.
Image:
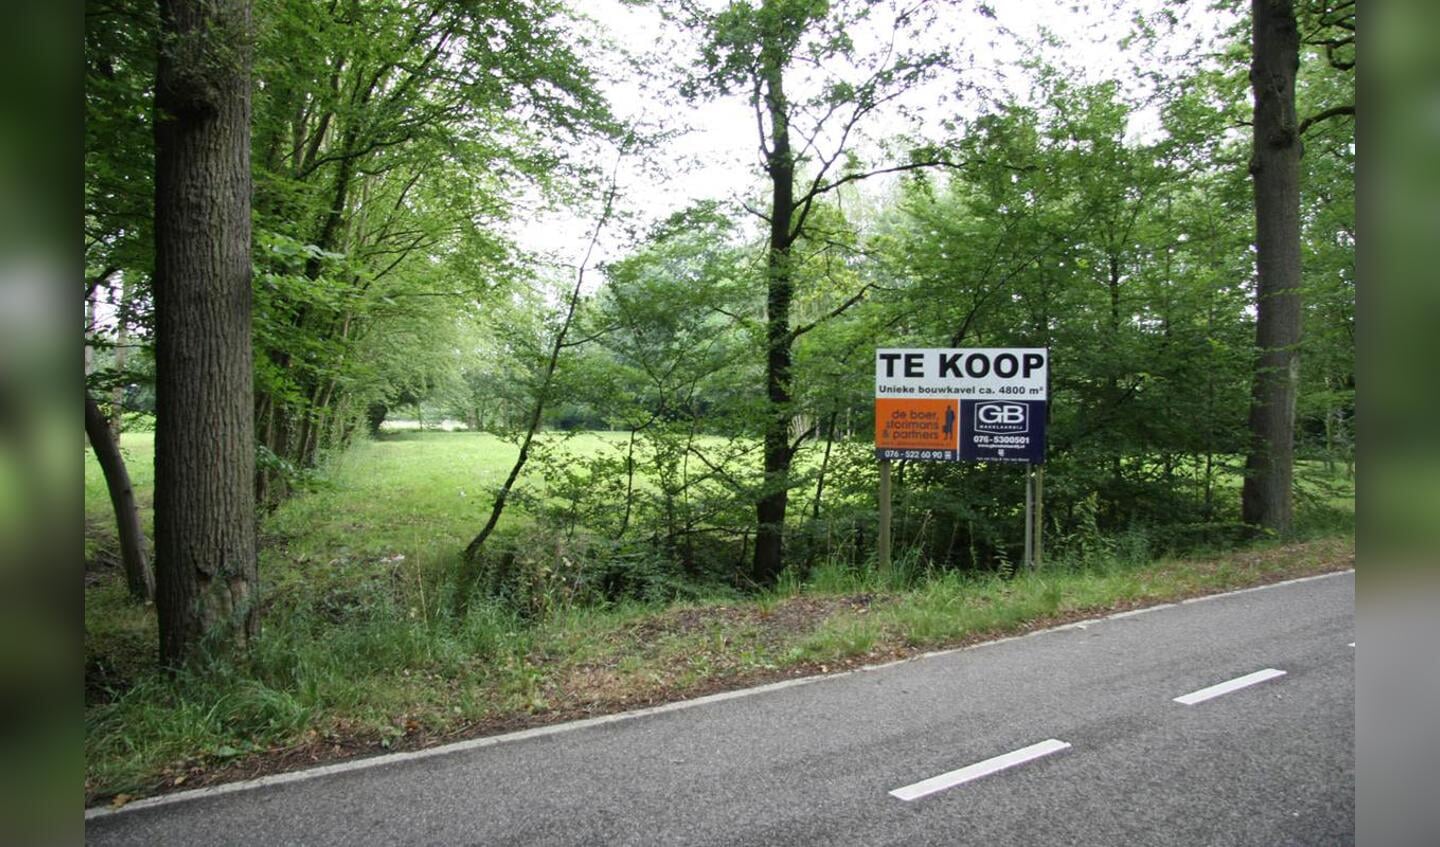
(97, 812)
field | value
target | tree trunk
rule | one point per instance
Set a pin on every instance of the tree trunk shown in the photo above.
(542, 396)
(1275, 165)
(1115, 502)
(375, 416)
(206, 576)
(122, 353)
(1332, 414)
(770, 510)
(90, 329)
(138, 576)
(824, 463)
(629, 487)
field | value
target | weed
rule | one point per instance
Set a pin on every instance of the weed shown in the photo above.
(838, 639)
(364, 623)
(835, 576)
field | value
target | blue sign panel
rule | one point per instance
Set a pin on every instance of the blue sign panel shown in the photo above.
(1002, 431)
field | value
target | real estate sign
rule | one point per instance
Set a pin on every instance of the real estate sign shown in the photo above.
(946, 404)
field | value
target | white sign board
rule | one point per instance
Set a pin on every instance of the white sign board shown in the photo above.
(974, 373)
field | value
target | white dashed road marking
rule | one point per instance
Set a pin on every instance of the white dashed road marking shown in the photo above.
(978, 770)
(1235, 684)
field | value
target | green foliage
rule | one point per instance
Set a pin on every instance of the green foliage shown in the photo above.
(1128, 259)
(395, 144)
(389, 140)
(840, 638)
(362, 646)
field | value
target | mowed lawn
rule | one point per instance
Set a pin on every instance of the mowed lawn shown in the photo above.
(420, 496)
(425, 493)
(408, 493)
(412, 493)
(138, 448)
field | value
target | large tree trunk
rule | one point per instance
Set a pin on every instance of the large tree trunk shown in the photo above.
(770, 509)
(1275, 166)
(138, 576)
(204, 440)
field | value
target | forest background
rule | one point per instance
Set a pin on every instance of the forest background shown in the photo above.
(655, 471)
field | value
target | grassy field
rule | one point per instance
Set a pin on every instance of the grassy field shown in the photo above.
(360, 652)
(429, 485)
(138, 448)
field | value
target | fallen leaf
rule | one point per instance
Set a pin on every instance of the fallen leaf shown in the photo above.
(119, 800)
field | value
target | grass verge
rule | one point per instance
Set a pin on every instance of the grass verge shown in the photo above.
(340, 680)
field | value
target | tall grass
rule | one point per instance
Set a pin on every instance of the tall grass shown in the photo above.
(365, 639)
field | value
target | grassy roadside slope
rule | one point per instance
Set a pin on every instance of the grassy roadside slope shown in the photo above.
(356, 660)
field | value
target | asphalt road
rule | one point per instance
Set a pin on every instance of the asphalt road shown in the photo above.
(1267, 764)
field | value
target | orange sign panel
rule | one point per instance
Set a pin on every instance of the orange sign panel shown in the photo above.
(908, 425)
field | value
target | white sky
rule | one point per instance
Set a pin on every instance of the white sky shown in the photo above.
(718, 156)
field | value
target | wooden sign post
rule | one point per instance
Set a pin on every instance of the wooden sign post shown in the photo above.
(884, 541)
(1029, 560)
(1039, 515)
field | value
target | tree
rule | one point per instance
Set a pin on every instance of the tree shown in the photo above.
(544, 390)
(119, 151)
(391, 139)
(119, 191)
(1266, 500)
(675, 361)
(1118, 255)
(138, 576)
(1325, 94)
(206, 572)
(760, 49)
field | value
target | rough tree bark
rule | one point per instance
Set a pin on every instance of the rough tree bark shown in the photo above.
(771, 507)
(205, 560)
(1275, 166)
(138, 576)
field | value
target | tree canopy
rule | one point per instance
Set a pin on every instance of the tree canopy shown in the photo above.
(404, 152)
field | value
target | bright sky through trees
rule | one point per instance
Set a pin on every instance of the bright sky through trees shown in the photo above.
(712, 151)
